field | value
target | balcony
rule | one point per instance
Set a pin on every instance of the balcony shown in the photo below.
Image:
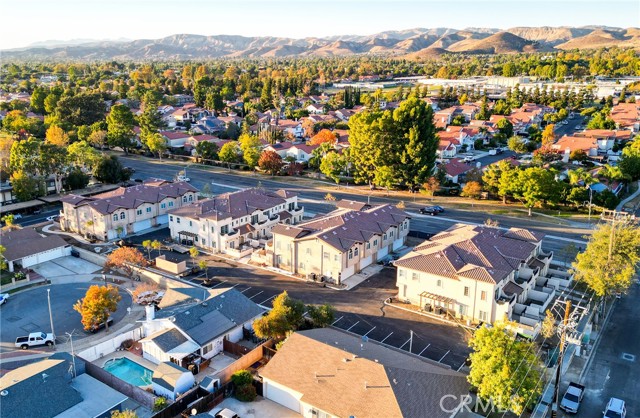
(526, 275)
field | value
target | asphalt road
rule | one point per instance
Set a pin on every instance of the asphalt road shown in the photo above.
(569, 128)
(29, 312)
(28, 220)
(314, 203)
(611, 374)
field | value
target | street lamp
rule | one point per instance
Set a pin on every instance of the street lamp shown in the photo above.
(590, 204)
(51, 316)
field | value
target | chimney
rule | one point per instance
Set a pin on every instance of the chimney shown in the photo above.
(150, 311)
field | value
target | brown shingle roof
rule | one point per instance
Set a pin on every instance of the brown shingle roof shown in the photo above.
(335, 374)
(478, 253)
(20, 243)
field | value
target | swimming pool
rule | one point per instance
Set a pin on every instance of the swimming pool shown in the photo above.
(129, 371)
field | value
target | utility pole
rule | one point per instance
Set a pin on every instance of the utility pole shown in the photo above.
(73, 354)
(411, 342)
(51, 316)
(563, 336)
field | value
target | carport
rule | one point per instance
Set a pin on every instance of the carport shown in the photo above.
(186, 237)
(433, 302)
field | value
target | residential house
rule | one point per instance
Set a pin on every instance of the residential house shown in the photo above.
(6, 193)
(626, 116)
(170, 380)
(455, 168)
(301, 152)
(292, 128)
(182, 99)
(126, 210)
(194, 140)
(345, 114)
(193, 322)
(569, 144)
(211, 124)
(607, 138)
(175, 139)
(432, 102)
(444, 117)
(56, 386)
(340, 243)
(480, 274)
(232, 221)
(315, 109)
(327, 372)
(280, 148)
(25, 247)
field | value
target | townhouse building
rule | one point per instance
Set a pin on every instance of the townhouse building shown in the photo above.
(481, 274)
(125, 210)
(341, 243)
(234, 223)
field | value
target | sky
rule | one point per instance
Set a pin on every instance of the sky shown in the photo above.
(27, 21)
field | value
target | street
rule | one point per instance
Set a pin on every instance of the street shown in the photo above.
(570, 128)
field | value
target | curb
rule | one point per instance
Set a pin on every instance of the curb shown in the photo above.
(587, 365)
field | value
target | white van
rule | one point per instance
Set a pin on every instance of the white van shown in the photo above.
(616, 408)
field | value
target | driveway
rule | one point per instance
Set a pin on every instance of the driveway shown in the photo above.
(29, 312)
(65, 266)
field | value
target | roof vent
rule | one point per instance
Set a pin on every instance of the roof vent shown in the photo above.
(345, 360)
(204, 303)
(44, 377)
(4, 393)
(187, 313)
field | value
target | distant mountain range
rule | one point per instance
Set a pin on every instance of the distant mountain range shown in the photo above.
(413, 43)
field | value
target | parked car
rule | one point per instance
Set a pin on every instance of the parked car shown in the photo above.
(616, 408)
(4, 297)
(183, 178)
(53, 218)
(440, 209)
(429, 210)
(469, 159)
(34, 339)
(572, 398)
(17, 216)
(226, 413)
(130, 169)
(98, 327)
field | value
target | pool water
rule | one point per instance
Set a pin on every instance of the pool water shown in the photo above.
(129, 371)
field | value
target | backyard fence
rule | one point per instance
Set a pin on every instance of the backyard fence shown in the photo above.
(107, 347)
(243, 362)
(134, 392)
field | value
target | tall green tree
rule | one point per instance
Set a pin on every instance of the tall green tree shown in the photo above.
(150, 120)
(156, 144)
(110, 170)
(332, 166)
(229, 153)
(536, 185)
(250, 146)
(120, 127)
(286, 316)
(80, 109)
(503, 369)
(609, 262)
(37, 100)
(207, 150)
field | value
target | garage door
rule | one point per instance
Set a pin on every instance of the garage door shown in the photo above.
(397, 243)
(140, 225)
(383, 252)
(348, 272)
(44, 256)
(281, 396)
(111, 234)
(163, 219)
(366, 261)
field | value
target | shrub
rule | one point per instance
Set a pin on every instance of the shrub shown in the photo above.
(242, 377)
(246, 393)
(160, 403)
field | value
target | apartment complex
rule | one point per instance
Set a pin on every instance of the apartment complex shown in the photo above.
(341, 243)
(234, 222)
(125, 210)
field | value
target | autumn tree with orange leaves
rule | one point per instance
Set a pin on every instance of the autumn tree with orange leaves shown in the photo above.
(96, 306)
(323, 136)
(126, 259)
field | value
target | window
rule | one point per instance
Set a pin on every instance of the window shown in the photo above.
(204, 242)
(464, 310)
(206, 348)
(375, 242)
(401, 273)
(224, 230)
(391, 234)
(355, 251)
(190, 198)
(350, 254)
(483, 316)
(196, 238)
(149, 209)
(204, 228)
(414, 276)
(368, 245)
(177, 220)
(163, 205)
(122, 215)
(115, 216)
(483, 295)
(232, 245)
(466, 290)
(170, 218)
(171, 204)
(336, 257)
(254, 219)
(190, 223)
(325, 255)
(139, 212)
(308, 251)
(292, 206)
(301, 265)
(384, 237)
(439, 283)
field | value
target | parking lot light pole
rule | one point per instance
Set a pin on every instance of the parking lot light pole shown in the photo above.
(51, 316)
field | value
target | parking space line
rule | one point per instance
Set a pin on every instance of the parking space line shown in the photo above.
(385, 338)
(423, 350)
(266, 300)
(445, 355)
(334, 322)
(255, 295)
(461, 366)
(369, 331)
(242, 291)
(235, 285)
(220, 283)
(405, 343)
(357, 322)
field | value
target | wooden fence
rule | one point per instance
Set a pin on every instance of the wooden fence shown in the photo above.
(243, 362)
(134, 392)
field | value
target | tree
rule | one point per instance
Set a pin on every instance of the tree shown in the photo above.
(193, 253)
(535, 185)
(285, 317)
(322, 316)
(431, 186)
(120, 127)
(270, 162)
(98, 139)
(323, 136)
(37, 100)
(517, 144)
(505, 127)
(82, 154)
(329, 197)
(207, 150)
(24, 186)
(472, 189)
(127, 413)
(147, 245)
(57, 136)
(203, 266)
(250, 146)
(156, 245)
(548, 135)
(77, 179)
(80, 109)
(96, 306)
(548, 328)
(503, 369)
(110, 170)
(229, 153)
(150, 120)
(127, 259)
(156, 144)
(609, 262)
(332, 166)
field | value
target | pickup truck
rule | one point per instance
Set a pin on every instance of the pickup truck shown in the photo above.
(572, 397)
(35, 338)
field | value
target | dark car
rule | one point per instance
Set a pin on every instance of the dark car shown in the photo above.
(130, 169)
(440, 209)
(98, 327)
(499, 150)
(429, 210)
